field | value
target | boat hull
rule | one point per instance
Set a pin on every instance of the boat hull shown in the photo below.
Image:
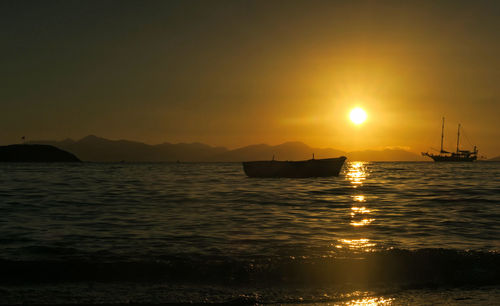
(458, 156)
(454, 157)
(438, 158)
(295, 169)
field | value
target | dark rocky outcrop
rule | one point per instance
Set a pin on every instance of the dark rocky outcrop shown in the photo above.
(35, 153)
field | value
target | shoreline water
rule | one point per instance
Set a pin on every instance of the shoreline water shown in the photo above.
(205, 233)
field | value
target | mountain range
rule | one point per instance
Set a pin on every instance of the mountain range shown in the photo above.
(97, 149)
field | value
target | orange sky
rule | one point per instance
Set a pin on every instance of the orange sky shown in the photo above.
(234, 73)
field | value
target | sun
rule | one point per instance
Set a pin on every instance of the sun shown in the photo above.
(358, 115)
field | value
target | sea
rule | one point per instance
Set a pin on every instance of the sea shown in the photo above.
(381, 233)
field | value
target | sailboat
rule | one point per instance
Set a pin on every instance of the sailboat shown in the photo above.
(458, 156)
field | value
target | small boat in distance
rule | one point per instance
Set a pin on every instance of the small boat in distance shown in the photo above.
(458, 156)
(295, 169)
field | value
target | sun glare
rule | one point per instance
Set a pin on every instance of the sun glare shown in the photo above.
(358, 115)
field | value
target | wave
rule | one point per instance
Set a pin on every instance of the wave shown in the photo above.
(422, 268)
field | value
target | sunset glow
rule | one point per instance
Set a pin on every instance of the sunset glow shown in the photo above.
(196, 80)
(213, 152)
(358, 116)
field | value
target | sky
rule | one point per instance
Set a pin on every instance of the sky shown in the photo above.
(234, 73)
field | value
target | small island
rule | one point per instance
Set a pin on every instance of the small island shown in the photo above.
(35, 153)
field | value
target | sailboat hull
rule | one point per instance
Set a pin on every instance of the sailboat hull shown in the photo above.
(440, 158)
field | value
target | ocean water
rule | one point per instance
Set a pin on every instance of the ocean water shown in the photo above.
(380, 233)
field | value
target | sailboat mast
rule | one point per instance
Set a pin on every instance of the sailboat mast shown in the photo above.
(458, 136)
(442, 136)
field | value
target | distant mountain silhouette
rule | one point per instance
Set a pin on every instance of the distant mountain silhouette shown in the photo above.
(384, 155)
(285, 151)
(97, 149)
(35, 153)
(495, 158)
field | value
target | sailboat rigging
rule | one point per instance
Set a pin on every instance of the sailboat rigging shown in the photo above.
(458, 156)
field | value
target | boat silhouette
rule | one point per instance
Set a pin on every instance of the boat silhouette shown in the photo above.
(458, 156)
(295, 169)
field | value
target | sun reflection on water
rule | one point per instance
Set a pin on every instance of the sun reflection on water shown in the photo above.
(360, 215)
(362, 222)
(359, 198)
(362, 244)
(355, 211)
(359, 210)
(371, 301)
(356, 173)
